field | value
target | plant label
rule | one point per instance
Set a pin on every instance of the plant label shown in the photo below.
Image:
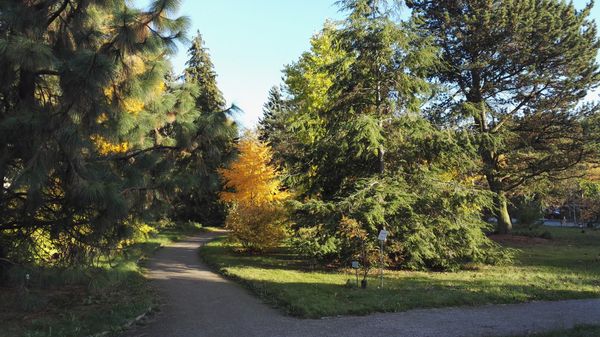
(383, 235)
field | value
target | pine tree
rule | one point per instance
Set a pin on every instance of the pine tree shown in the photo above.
(516, 73)
(82, 122)
(272, 119)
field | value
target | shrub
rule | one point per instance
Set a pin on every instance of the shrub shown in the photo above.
(528, 211)
(312, 244)
(532, 231)
(257, 228)
(431, 224)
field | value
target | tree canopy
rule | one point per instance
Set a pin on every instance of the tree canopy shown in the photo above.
(358, 151)
(92, 129)
(516, 73)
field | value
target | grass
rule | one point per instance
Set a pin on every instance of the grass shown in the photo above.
(81, 302)
(566, 267)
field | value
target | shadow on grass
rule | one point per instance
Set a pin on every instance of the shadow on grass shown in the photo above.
(282, 258)
(73, 302)
(316, 300)
(80, 301)
(332, 297)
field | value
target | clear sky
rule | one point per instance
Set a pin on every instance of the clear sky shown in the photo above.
(250, 41)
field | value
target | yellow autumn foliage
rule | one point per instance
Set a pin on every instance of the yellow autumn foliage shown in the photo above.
(593, 173)
(257, 218)
(133, 105)
(135, 64)
(105, 147)
(130, 105)
(158, 88)
(102, 118)
(251, 179)
(109, 91)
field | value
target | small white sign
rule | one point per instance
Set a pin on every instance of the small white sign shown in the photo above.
(355, 264)
(383, 235)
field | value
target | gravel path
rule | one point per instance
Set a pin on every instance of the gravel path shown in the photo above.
(202, 303)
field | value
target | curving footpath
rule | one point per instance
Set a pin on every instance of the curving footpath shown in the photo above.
(199, 303)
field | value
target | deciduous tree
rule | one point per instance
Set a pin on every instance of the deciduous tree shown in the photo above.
(253, 189)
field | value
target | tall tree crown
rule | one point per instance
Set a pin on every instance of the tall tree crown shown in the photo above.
(200, 70)
(516, 74)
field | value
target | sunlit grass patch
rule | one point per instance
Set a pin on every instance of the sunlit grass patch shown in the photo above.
(566, 267)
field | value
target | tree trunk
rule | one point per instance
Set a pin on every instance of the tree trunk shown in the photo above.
(504, 225)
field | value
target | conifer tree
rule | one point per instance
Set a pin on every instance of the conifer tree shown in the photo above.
(516, 73)
(361, 153)
(84, 122)
(200, 70)
(372, 70)
(215, 134)
(272, 118)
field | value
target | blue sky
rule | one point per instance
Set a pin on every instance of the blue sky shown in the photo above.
(250, 41)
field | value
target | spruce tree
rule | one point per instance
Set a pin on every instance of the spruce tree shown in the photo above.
(271, 120)
(200, 70)
(516, 72)
(214, 142)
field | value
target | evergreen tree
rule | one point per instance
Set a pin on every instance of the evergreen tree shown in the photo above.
(84, 123)
(200, 70)
(215, 134)
(308, 82)
(373, 70)
(516, 73)
(361, 154)
(272, 119)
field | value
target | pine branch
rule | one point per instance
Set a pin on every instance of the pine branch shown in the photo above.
(7, 261)
(136, 153)
(57, 13)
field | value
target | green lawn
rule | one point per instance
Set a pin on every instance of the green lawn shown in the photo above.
(566, 267)
(81, 302)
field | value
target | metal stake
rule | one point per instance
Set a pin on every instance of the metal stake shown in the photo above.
(381, 265)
